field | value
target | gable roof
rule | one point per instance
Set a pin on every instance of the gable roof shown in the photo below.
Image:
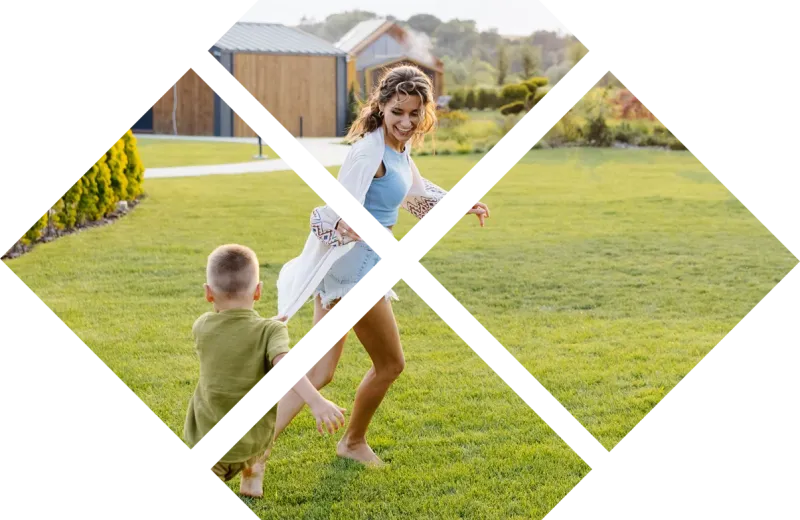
(355, 36)
(273, 38)
(363, 34)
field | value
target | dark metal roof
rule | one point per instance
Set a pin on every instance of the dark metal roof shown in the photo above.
(273, 38)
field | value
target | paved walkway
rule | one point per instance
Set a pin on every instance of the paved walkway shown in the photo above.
(328, 151)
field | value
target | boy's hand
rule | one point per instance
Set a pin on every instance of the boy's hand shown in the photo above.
(327, 414)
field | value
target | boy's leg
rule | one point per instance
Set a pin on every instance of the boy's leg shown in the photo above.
(226, 471)
(320, 375)
(252, 483)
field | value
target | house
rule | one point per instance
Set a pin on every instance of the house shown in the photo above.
(375, 45)
(298, 77)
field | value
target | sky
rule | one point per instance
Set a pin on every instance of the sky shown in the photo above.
(509, 17)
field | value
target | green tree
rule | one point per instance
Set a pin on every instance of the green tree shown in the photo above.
(352, 107)
(531, 60)
(456, 73)
(575, 52)
(336, 25)
(425, 23)
(502, 64)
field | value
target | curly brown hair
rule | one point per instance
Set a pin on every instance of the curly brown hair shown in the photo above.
(402, 80)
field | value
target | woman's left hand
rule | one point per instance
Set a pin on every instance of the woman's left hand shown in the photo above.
(481, 210)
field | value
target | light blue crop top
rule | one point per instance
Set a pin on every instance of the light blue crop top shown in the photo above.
(385, 194)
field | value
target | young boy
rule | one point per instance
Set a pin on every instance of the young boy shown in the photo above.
(237, 347)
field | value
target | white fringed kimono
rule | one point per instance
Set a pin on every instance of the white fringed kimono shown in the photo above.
(300, 276)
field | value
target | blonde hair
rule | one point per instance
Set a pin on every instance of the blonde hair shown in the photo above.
(405, 80)
(232, 270)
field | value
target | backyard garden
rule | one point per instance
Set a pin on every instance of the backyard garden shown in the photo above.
(613, 262)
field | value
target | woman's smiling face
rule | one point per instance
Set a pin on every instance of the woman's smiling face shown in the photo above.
(401, 116)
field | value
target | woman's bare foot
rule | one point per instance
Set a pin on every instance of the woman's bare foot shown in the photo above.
(252, 484)
(359, 452)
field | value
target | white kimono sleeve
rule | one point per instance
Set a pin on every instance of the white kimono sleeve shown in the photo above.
(423, 195)
(355, 175)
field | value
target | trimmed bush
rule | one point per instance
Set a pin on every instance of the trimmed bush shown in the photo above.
(539, 95)
(494, 99)
(512, 108)
(536, 83)
(512, 93)
(35, 231)
(451, 119)
(457, 101)
(470, 101)
(117, 175)
(134, 170)
(533, 99)
(484, 99)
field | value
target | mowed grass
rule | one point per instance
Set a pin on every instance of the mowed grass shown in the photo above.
(162, 153)
(460, 441)
(610, 274)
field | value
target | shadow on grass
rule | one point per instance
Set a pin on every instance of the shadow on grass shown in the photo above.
(330, 486)
(328, 491)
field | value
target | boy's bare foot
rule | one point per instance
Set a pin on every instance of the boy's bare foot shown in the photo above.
(252, 484)
(359, 452)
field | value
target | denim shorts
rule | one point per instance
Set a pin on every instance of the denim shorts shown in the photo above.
(346, 272)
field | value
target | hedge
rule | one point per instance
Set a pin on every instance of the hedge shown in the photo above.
(118, 175)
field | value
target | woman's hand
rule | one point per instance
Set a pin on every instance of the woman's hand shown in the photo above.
(481, 210)
(346, 231)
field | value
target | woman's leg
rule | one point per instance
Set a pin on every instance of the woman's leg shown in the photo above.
(377, 331)
(320, 375)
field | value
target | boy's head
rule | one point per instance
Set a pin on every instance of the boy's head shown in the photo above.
(232, 276)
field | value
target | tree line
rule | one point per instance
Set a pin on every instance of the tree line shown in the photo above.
(473, 58)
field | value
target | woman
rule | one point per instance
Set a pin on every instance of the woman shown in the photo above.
(380, 174)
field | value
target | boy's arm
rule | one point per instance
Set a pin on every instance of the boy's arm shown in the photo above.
(325, 412)
(302, 387)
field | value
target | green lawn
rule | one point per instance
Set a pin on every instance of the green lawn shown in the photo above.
(161, 153)
(609, 274)
(131, 291)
